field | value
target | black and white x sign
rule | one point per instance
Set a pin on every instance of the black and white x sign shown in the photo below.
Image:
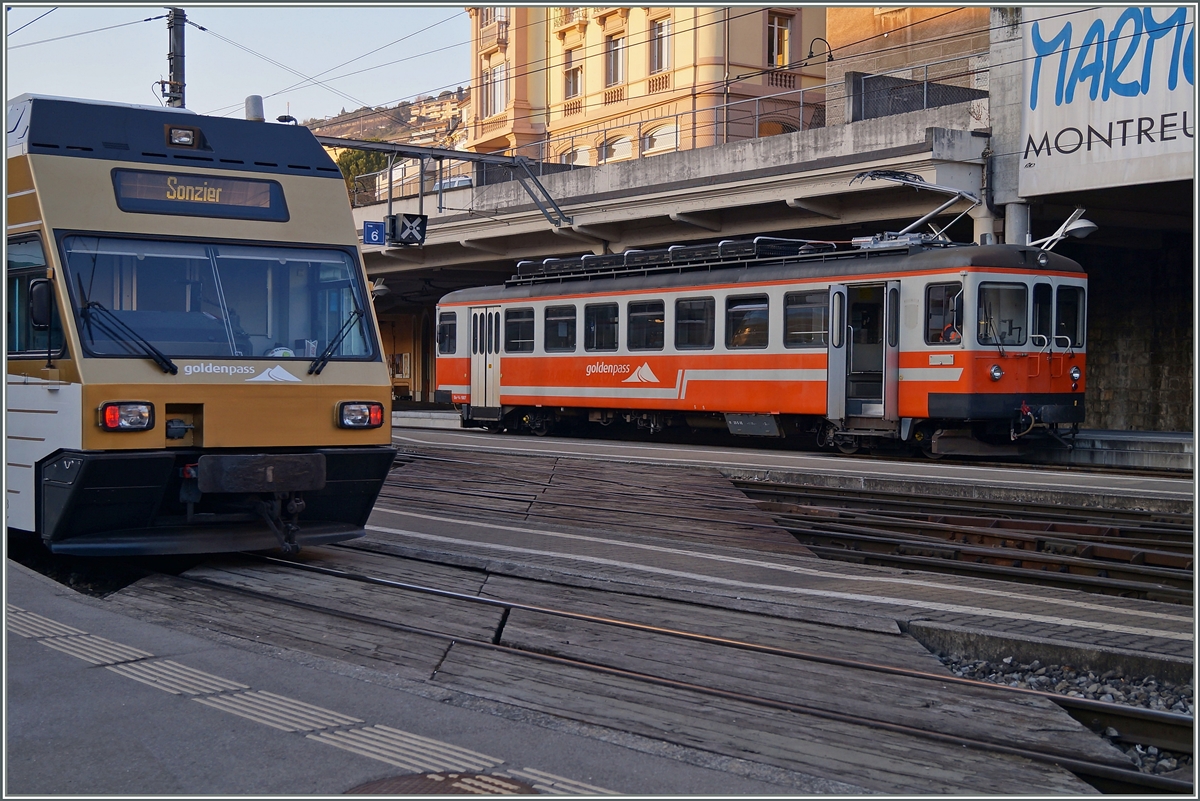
(409, 229)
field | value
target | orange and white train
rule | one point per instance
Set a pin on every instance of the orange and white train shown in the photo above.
(911, 339)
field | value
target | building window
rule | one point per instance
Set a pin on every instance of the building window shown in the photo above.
(490, 14)
(778, 40)
(665, 137)
(660, 45)
(518, 331)
(572, 75)
(646, 325)
(447, 332)
(600, 327)
(494, 98)
(580, 157)
(746, 321)
(616, 149)
(695, 321)
(560, 329)
(943, 313)
(614, 60)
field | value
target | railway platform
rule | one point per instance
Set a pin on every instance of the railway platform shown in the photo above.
(104, 702)
(1169, 451)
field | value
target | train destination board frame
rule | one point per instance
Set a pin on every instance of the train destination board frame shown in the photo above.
(197, 195)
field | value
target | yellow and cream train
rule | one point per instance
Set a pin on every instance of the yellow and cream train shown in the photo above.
(193, 362)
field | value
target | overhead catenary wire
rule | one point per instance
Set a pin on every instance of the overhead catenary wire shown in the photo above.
(84, 33)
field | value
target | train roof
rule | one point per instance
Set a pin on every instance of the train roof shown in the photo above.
(650, 270)
(63, 126)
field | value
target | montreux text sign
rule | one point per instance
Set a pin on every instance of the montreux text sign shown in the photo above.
(1108, 97)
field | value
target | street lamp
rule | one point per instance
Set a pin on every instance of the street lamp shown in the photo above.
(828, 49)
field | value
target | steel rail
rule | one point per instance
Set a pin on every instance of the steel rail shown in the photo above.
(1182, 521)
(1120, 777)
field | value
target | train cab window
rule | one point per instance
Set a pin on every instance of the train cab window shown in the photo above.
(746, 322)
(1002, 310)
(26, 265)
(943, 313)
(695, 323)
(560, 329)
(518, 330)
(646, 325)
(600, 326)
(1043, 313)
(447, 333)
(1068, 316)
(200, 300)
(805, 319)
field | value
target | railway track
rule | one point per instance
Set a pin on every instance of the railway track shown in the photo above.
(1134, 554)
(1165, 730)
(1144, 555)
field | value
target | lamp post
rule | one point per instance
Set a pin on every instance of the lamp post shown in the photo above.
(828, 49)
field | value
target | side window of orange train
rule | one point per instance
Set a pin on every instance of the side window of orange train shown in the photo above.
(447, 333)
(518, 330)
(695, 322)
(560, 329)
(646, 325)
(600, 323)
(943, 313)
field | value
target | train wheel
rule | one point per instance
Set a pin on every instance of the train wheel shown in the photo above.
(929, 454)
(846, 447)
(494, 428)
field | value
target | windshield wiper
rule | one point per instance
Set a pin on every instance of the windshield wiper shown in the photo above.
(318, 364)
(124, 334)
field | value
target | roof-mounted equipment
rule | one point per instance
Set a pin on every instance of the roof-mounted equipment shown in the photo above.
(908, 235)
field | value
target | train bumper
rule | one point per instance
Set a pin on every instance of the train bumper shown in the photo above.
(150, 502)
(1058, 407)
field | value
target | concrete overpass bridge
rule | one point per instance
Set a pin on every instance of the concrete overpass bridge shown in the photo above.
(793, 184)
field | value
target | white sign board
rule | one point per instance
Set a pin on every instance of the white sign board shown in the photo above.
(1109, 97)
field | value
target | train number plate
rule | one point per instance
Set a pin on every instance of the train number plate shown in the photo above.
(262, 472)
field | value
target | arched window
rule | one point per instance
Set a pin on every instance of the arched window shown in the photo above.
(616, 149)
(580, 157)
(664, 137)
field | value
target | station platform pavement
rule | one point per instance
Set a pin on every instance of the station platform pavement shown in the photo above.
(86, 715)
(1173, 451)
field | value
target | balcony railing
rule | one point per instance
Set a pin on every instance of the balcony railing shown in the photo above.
(493, 35)
(614, 95)
(658, 83)
(569, 15)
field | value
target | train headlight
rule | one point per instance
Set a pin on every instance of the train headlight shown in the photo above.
(126, 416)
(996, 373)
(360, 414)
(1076, 373)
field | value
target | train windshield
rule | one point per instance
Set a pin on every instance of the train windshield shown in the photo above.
(205, 300)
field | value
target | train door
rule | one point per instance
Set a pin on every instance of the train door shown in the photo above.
(485, 362)
(865, 350)
(835, 374)
(1057, 327)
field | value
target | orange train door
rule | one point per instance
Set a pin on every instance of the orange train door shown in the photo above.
(485, 361)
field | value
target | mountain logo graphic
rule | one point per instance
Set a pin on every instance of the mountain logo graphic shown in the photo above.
(276, 373)
(642, 375)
